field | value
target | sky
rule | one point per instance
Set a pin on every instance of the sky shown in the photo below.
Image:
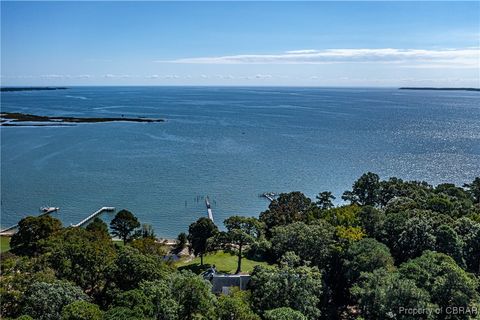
(241, 43)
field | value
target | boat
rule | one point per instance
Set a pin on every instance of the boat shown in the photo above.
(46, 209)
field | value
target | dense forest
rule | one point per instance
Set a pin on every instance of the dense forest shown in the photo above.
(395, 250)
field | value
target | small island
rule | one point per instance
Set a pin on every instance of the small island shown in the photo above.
(439, 89)
(16, 118)
(13, 89)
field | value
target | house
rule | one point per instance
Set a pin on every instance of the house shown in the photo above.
(221, 283)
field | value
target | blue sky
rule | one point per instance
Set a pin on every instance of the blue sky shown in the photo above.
(248, 43)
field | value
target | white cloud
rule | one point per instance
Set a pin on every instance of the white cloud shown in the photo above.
(263, 76)
(467, 57)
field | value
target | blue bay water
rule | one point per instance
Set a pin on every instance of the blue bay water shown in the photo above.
(228, 143)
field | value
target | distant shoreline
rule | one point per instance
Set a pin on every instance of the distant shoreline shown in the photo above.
(13, 89)
(439, 89)
(13, 119)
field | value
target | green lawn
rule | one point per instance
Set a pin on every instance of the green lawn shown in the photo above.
(4, 243)
(223, 261)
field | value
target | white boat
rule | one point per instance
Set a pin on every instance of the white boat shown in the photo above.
(49, 209)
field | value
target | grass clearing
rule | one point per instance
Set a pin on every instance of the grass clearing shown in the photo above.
(4, 244)
(223, 261)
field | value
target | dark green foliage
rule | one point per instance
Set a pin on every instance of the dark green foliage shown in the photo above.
(417, 236)
(469, 233)
(381, 294)
(45, 301)
(80, 256)
(235, 306)
(136, 301)
(122, 313)
(198, 234)
(365, 191)
(366, 255)
(24, 317)
(124, 225)
(286, 209)
(448, 242)
(160, 294)
(182, 240)
(30, 231)
(132, 267)
(284, 313)
(372, 220)
(81, 310)
(194, 296)
(324, 200)
(17, 274)
(98, 227)
(298, 288)
(447, 283)
(310, 242)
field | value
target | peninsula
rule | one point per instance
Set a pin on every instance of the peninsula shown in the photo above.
(12, 89)
(439, 89)
(15, 118)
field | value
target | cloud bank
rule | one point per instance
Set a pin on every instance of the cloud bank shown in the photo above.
(467, 57)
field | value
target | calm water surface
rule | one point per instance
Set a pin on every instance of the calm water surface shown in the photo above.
(229, 143)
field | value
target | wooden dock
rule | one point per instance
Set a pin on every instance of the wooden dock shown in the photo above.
(209, 209)
(92, 216)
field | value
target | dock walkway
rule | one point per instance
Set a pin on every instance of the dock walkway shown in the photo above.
(209, 209)
(93, 215)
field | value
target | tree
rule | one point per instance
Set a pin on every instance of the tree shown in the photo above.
(17, 275)
(241, 231)
(371, 220)
(132, 267)
(284, 313)
(297, 288)
(98, 227)
(448, 285)
(150, 246)
(418, 236)
(180, 295)
(198, 234)
(286, 209)
(382, 295)
(366, 255)
(474, 189)
(80, 256)
(310, 242)
(136, 301)
(45, 301)
(124, 225)
(122, 313)
(347, 215)
(81, 310)
(235, 306)
(147, 231)
(324, 200)
(448, 242)
(469, 233)
(160, 294)
(194, 296)
(365, 191)
(31, 230)
(182, 240)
